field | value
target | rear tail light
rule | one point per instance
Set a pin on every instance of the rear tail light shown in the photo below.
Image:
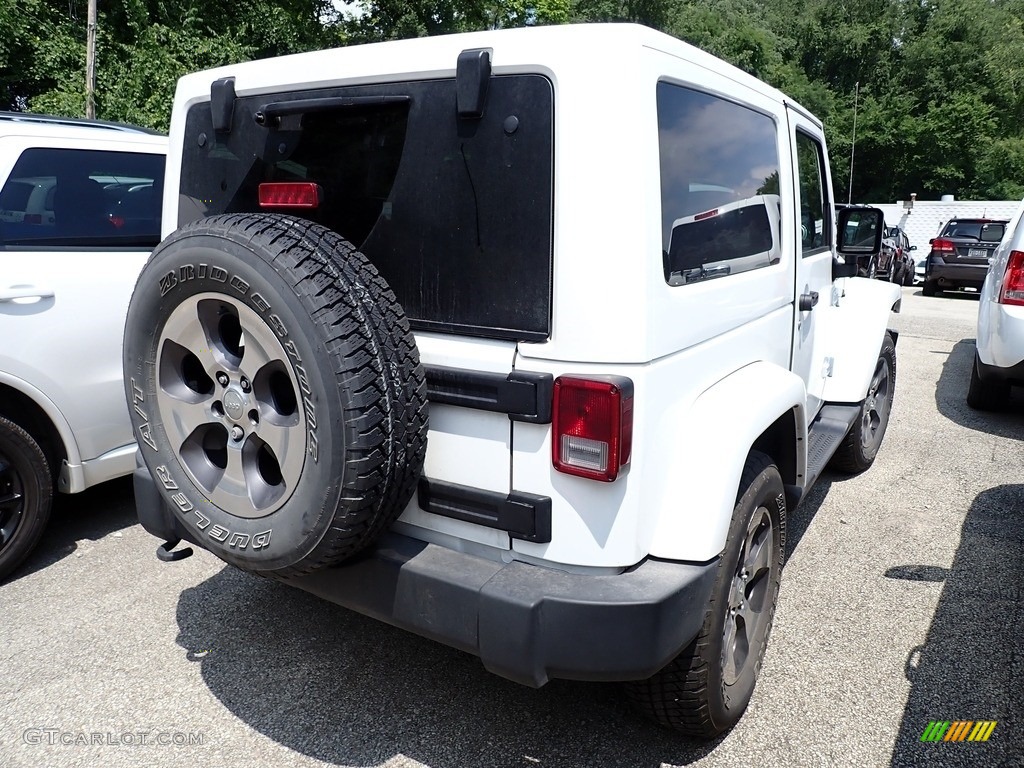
(1012, 291)
(940, 245)
(290, 194)
(593, 426)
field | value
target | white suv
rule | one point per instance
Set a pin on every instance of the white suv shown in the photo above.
(999, 360)
(607, 260)
(79, 215)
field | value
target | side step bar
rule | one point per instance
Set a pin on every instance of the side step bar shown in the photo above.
(825, 434)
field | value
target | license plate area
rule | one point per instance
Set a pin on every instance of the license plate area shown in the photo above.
(977, 253)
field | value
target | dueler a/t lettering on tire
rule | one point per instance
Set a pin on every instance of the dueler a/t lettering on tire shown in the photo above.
(275, 391)
(708, 686)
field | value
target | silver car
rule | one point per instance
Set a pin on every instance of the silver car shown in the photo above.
(999, 361)
(79, 216)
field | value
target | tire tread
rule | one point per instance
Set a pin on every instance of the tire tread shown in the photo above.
(678, 697)
(373, 357)
(18, 441)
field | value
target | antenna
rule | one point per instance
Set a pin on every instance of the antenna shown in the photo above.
(853, 145)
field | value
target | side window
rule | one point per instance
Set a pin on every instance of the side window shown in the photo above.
(719, 186)
(73, 197)
(815, 226)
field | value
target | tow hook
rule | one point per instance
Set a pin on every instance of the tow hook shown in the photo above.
(164, 553)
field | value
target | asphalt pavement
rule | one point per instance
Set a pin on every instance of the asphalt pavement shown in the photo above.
(900, 605)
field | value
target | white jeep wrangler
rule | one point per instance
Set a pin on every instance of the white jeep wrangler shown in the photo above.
(603, 261)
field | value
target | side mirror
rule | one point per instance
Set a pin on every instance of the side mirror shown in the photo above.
(860, 231)
(913, 247)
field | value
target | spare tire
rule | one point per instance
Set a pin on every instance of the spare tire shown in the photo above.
(276, 391)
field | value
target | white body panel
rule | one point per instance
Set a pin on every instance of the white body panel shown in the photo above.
(465, 446)
(677, 478)
(856, 326)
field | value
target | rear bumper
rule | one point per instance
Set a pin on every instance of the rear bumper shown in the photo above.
(526, 623)
(1013, 374)
(946, 273)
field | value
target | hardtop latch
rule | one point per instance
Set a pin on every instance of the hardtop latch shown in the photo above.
(472, 76)
(222, 104)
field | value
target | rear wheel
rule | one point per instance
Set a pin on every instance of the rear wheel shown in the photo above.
(26, 495)
(706, 689)
(930, 288)
(986, 395)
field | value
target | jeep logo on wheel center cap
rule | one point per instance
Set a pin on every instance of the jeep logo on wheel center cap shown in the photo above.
(234, 404)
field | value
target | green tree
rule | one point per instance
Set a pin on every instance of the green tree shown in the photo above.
(143, 47)
(941, 82)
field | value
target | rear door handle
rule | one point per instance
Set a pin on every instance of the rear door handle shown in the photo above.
(25, 292)
(808, 301)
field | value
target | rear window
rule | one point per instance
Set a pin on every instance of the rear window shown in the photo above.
(719, 186)
(983, 231)
(87, 198)
(456, 214)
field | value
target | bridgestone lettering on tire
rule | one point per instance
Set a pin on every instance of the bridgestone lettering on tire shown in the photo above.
(708, 686)
(276, 391)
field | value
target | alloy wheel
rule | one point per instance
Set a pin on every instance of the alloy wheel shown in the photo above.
(875, 414)
(749, 607)
(12, 501)
(230, 403)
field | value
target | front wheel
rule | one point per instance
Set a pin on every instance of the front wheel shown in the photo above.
(26, 495)
(858, 450)
(706, 689)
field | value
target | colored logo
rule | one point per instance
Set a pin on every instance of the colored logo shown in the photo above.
(958, 730)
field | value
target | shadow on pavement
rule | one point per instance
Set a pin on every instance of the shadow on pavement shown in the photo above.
(970, 665)
(947, 295)
(951, 397)
(346, 689)
(800, 519)
(92, 514)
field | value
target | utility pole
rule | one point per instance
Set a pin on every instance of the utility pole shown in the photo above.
(853, 145)
(90, 62)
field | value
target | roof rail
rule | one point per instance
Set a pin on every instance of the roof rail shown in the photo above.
(29, 117)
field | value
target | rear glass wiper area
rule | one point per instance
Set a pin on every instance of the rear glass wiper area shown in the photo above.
(698, 274)
(269, 114)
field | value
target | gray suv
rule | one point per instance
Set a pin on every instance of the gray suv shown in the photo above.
(960, 254)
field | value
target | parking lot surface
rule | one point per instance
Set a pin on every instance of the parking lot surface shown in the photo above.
(900, 605)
